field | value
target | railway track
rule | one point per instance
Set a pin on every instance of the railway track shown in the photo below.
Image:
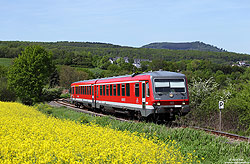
(215, 132)
(71, 106)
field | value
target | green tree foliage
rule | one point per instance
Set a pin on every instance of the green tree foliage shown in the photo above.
(104, 63)
(67, 52)
(54, 79)
(238, 107)
(5, 93)
(184, 46)
(69, 75)
(50, 94)
(30, 73)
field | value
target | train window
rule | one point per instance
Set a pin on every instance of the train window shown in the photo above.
(76, 90)
(169, 85)
(84, 90)
(148, 93)
(92, 90)
(111, 89)
(107, 90)
(100, 89)
(72, 90)
(103, 90)
(118, 89)
(127, 89)
(137, 92)
(81, 89)
(114, 90)
(123, 89)
(89, 90)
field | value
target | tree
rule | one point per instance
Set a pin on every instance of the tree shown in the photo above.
(30, 73)
(104, 62)
(5, 93)
(69, 75)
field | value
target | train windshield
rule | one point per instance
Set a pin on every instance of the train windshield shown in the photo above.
(169, 85)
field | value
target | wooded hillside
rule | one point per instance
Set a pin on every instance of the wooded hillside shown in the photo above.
(68, 52)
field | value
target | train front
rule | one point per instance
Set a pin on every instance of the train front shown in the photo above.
(170, 95)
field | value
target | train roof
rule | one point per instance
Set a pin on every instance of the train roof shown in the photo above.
(152, 74)
(163, 73)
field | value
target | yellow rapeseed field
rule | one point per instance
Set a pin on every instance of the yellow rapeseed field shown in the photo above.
(28, 136)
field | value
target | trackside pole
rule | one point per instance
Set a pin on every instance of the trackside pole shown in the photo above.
(220, 121)
(221, 106)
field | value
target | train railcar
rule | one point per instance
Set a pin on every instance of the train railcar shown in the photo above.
(160, 95)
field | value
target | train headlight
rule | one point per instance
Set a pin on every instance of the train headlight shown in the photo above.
(158, 103)
(171, 95)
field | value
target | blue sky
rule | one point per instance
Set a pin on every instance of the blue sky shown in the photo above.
(223, 23)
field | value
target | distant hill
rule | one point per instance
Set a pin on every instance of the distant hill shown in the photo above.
(83, 53)
(200, 46)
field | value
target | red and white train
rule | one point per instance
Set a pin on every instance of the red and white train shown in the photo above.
(159, 95)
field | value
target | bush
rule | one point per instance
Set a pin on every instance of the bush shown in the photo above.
(239, 107)
(51, 94)
(5, 93)
(65, 96)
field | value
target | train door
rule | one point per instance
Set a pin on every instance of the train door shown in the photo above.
(93, 95)
(143, 95)
(148, 101)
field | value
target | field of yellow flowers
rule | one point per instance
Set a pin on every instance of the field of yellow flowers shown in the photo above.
(26, 135)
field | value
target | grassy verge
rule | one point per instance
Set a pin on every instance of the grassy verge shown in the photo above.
(212, 148)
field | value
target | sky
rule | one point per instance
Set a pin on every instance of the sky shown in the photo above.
(222, 23)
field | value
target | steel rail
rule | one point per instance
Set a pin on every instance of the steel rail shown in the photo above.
(221, 133)
(71, 106)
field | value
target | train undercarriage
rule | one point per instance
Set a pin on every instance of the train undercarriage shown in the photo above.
(155, 115)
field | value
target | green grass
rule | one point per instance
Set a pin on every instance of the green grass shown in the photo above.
(5, 61)
(213, 148)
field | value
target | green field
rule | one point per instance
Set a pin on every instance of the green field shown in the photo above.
(208, 148)
(5, 61)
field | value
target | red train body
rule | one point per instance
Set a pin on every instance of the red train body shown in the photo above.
(160, 94)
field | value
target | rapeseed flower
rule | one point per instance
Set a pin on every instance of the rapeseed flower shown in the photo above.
(28, 136)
